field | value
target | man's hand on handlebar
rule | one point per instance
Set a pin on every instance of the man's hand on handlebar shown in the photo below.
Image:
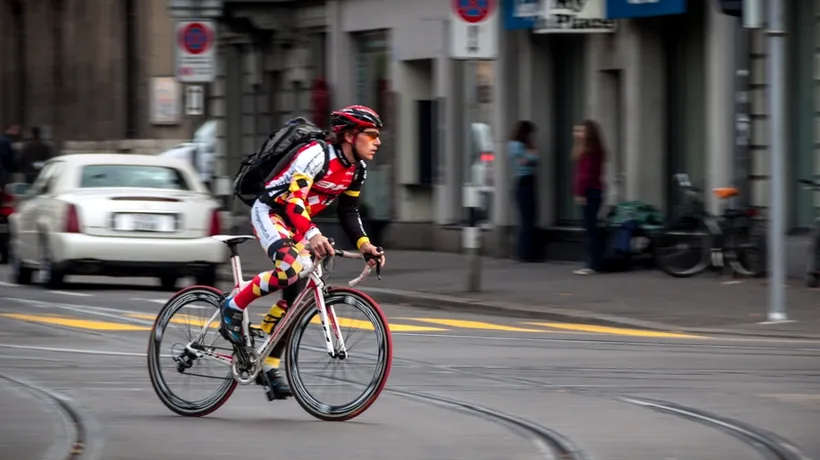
(321, 246)
(374, 255)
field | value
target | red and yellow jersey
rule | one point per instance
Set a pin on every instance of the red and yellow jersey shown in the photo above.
(297, 198)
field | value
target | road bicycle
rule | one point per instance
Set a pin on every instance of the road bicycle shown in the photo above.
(244, 363)
(732, 237)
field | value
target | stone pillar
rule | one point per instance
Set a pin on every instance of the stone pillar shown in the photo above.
(340, 57)
(719, 99)
(645, 103)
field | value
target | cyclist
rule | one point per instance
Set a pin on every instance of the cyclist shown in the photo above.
(282, 219)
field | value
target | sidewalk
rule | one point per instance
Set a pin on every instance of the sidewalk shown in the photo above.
(640, 298)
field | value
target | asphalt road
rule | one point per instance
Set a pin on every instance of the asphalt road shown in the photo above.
(509, 388)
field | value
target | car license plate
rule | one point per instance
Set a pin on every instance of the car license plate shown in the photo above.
(144, 223)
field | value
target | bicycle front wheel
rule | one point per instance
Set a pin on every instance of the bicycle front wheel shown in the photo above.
(308, 360)
(186, 323)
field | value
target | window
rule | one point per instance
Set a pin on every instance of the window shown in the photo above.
(136, 176)
(372, 70)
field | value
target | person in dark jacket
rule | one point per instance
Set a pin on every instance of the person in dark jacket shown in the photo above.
(7, 160)
(35, 153)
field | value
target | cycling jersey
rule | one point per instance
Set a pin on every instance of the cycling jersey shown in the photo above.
(293, 195)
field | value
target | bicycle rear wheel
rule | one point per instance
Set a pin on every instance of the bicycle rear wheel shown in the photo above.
(683, 253)
(298, 353)
(183, 362)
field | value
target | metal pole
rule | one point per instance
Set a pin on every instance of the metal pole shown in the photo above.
(777, 257)
(742, 120)
(472, 235)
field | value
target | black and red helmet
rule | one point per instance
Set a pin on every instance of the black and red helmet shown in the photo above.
(355, 117)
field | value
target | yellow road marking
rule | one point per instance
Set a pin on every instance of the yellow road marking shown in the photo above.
(180, 318)
(368, 326)
(474, 325)
(343, 322)
(77, 323)
(614, 330)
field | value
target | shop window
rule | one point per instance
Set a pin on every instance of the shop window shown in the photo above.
(373, 71)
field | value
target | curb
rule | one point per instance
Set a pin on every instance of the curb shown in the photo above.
(88, 442)
(499, 308)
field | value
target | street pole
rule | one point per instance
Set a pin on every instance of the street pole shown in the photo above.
(777, 257)
(472, 234)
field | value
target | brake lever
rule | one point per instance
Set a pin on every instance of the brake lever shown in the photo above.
(368, 257)
(379, 263)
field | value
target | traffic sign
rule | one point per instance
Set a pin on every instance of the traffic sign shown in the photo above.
(474, 31)
(194, 100)
(195, 51)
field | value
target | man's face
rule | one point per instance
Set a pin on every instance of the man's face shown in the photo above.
(366, 143)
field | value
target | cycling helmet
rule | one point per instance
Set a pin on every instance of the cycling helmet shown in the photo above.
(356, 117)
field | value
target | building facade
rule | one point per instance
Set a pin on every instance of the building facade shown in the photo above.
(95, 75)
(662, 84)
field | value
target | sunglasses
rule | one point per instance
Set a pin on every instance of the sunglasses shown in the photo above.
(373, 135)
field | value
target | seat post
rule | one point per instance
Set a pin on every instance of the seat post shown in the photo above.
(236, 265)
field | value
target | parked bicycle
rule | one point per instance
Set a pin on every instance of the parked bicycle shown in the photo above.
(813, 254)
(733, 238)
(243, 364)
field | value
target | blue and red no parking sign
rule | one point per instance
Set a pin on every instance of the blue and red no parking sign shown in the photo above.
(196, 38)
(473, 11)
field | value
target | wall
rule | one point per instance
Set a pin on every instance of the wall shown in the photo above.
(75, 74)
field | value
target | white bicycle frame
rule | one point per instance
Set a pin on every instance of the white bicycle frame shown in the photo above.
(315, 285)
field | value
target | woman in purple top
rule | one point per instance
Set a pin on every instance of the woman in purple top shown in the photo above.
(589, 155)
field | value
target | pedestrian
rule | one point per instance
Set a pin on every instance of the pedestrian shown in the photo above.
(35, 153)
(7, 157)
(588, 154)
(524, 158)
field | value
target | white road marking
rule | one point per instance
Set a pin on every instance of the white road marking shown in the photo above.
(87, 309)
(159, 301)
(73, 350)
(164, 301)
(77, 294)
(3, 283)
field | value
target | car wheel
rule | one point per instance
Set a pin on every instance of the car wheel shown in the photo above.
(20, 274)
(49, 276)
(168, 282)
(207, 277)
(4, 253)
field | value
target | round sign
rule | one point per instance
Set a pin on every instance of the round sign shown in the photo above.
(473, 11)
(195, 38)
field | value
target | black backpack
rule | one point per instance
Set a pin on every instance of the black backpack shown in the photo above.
(276, 152)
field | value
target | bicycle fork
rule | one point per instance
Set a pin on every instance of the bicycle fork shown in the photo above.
(328, 321)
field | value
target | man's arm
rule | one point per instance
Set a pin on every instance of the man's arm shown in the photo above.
(348, 210)
(305, 167)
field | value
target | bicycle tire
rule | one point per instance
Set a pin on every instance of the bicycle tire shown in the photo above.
(314, 407)
(703, 262)
(759, 241)
(176, 404)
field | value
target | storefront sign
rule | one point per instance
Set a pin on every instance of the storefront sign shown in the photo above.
(573, 16)
(624, 9)
(520, 14)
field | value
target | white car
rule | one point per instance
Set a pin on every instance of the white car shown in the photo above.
(117, 215)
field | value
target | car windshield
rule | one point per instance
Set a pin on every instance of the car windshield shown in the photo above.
(141, 176)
